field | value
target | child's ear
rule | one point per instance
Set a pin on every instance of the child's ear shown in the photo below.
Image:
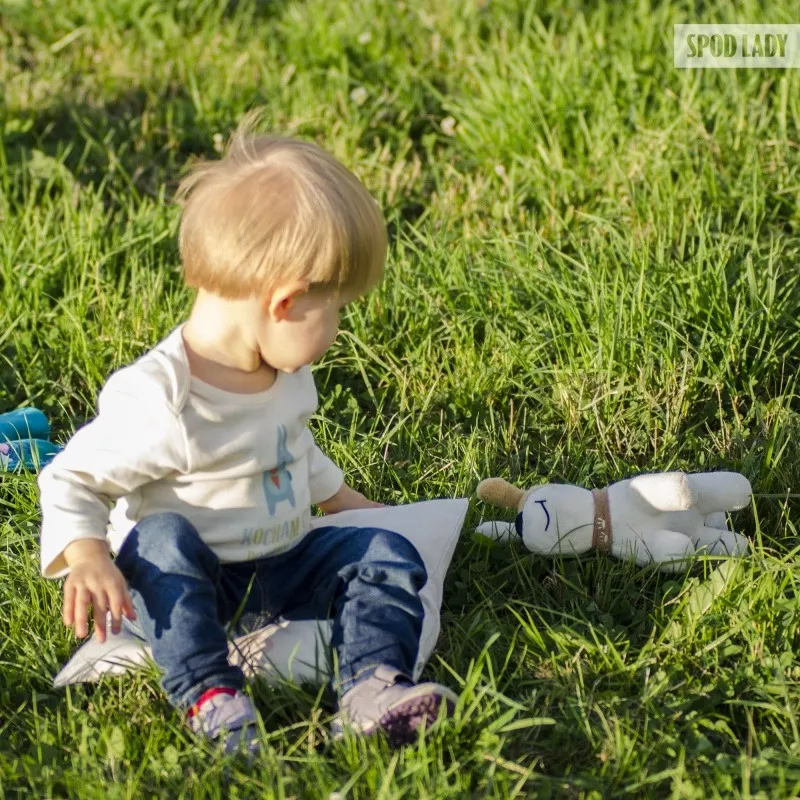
(281, 301)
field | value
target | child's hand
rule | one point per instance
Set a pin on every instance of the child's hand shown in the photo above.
(94, 579)
(345, 500)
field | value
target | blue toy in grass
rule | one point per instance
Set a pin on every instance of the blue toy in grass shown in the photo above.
(24, 423)
(25, 440)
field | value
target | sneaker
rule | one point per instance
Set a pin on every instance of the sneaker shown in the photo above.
(391, 702)
(228, 716)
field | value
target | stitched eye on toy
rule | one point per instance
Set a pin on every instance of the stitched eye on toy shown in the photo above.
(543, 504)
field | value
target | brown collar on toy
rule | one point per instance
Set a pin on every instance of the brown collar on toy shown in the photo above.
(601, 533)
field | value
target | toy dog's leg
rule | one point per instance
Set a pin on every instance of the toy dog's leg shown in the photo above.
(720, 542)
(667, 549)
(730, 544)
(705, 491)
(720, 491)
(717, 519)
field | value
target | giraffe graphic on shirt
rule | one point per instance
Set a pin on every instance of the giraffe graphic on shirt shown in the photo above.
(278, 481)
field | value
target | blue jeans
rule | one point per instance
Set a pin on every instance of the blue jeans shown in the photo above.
(367, 579)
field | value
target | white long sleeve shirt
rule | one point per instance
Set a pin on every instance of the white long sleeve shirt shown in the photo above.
(243, 468)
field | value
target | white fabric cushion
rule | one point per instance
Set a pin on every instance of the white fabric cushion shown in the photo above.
(297, 650)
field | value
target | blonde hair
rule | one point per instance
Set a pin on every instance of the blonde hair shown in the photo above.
(275, 209)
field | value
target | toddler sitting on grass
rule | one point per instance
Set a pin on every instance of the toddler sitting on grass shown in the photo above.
(203, 445)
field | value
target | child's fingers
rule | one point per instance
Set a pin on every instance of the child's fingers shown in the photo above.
(115, 601)
(68, 608)
(127, 605)
(99, 607)
(80, 617)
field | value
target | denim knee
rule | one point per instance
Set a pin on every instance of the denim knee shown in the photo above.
(390, 547)
(165, 540)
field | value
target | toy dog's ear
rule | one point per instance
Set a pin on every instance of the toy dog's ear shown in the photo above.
(499, 492)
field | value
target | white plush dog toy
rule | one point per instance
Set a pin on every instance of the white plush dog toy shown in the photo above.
(661, 518)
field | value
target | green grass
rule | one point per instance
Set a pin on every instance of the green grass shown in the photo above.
(593, 272)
